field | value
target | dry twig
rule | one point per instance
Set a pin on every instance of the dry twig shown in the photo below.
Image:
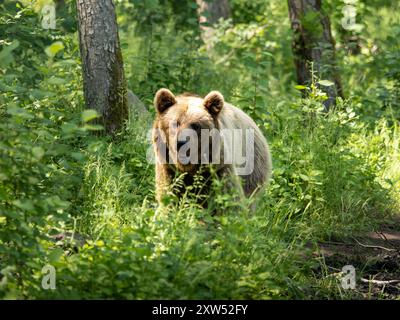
(380, 282)
(371, 246)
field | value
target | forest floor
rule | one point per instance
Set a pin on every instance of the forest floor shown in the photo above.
(375, 256)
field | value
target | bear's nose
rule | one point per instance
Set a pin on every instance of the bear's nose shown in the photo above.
(180, 144)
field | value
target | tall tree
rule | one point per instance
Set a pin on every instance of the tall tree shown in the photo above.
(103, 74)
(210, 11)
(313, 43)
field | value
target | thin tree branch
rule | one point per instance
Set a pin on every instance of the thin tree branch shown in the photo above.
(372, 246)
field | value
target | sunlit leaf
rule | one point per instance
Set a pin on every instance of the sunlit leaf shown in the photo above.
(54, 48)
(89, 114)
(326, 83)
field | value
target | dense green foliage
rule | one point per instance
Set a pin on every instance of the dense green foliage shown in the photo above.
(334, 174)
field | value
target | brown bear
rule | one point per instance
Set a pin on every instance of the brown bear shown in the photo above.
(236, 133)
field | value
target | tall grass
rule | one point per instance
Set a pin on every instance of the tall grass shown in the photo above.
(329, 181)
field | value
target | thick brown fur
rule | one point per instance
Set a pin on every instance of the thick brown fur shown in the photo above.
(212, 112)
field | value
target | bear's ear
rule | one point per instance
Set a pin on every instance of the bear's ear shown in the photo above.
(214, 102)
(163, 100)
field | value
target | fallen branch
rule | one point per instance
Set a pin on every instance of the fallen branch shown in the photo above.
(380, 282)
(371, 246)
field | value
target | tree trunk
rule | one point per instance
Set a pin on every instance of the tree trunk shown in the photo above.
(210, 11)
(103, 74)
(313, 43)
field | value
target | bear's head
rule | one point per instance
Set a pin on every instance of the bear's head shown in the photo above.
(185, 128)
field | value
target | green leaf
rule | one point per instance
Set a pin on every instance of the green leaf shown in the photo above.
(192, 21)
(55, 255)
(54, 48)
(65, 63)
(69, 128)
(89, 114)
(57, 81)
(41, 94)
(93, 127)
(300, 87)
(304, 177)
(24, 204)
(326, 83)
(79, 156)
(6, 56)
(38, 152)
(14, 110)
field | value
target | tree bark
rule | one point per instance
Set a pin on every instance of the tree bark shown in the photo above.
(103, 74)
(210, 11)
(313, 43)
